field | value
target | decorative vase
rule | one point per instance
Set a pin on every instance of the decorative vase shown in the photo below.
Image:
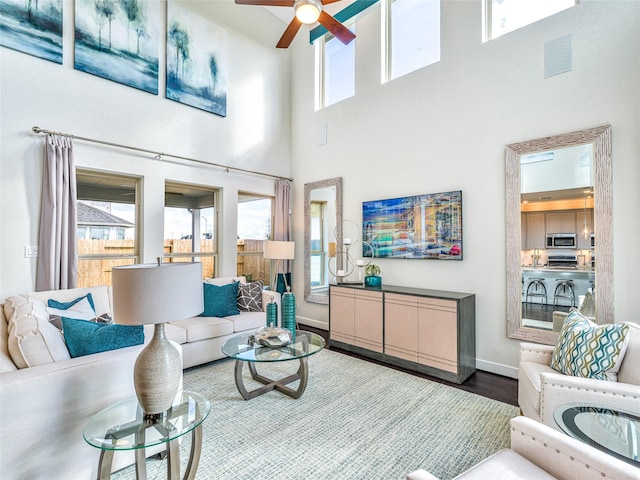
(289, 313)
(272, 313)
(372, 281)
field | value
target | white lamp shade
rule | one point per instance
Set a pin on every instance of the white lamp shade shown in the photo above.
(148, 293)
(279, 250)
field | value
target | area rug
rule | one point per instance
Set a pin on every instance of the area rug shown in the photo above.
(356, 420)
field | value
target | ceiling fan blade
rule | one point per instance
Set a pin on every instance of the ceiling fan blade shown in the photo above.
(289, 33)
(267, 3)
(327, 2)
(338, 30)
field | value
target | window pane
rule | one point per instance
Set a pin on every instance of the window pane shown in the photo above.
(106, 217)
(339, 70)
(92, 273)
(414, 40)
(189, 226)
(509, 15)
(254, 227)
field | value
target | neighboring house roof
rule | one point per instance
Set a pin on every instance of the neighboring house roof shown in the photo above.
(88, 215)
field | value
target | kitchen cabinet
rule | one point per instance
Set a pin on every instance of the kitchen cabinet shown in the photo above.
(561, 222)
(429, 331)
(536, 231)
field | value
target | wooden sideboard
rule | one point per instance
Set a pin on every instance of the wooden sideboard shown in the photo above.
(429, 331)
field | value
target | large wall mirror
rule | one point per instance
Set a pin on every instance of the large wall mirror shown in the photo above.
(559, 230)
(322, 232)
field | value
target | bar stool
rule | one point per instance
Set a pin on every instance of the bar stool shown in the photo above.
(536, 288)
(564, 289)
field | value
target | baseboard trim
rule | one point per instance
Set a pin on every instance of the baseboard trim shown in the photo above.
(497, 368)
(312, 323)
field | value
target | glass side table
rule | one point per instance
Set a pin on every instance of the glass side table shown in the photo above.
(244, 349)
(615, 432)
(123, 426)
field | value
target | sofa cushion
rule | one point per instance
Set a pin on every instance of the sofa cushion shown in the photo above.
(584, 349)
(85, 338)
(173, 332)
(247, 321)
(220, 301)
(202, 328)
(6, 364)
(32, 339)
(101, 296)
(629, 371)
(529, 384)
(224, 280)
(250, 296)
(52, 303)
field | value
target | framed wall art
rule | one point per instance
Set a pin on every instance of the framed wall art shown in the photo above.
(196, 61)
(33, 27)
(420, 226)
(119, 40)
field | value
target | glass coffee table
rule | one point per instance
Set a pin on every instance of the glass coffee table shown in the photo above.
(244, 349)
(615, 432)
(123, 426)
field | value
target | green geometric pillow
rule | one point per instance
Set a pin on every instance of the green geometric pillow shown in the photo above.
(587, 350)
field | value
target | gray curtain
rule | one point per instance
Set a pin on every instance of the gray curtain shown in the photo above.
(58, 244)
(282, 229)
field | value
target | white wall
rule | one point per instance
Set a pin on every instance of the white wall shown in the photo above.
(445, 128)
(254, 135)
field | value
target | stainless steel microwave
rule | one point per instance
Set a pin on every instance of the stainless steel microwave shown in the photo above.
(561, 240)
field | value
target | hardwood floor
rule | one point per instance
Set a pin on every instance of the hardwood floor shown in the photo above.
(490, 385)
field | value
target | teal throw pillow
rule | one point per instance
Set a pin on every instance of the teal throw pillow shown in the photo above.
(84, 337)
(220, 301)
(67, 305)
(584, 349)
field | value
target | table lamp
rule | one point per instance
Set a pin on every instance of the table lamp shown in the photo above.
(281, 250)
(155, 294)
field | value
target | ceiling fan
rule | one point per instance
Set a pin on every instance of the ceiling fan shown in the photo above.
(307, 12)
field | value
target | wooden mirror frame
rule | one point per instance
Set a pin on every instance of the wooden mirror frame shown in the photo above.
(600, 138)
(308, 187)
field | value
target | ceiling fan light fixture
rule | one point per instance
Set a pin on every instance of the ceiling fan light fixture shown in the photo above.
(308, 11)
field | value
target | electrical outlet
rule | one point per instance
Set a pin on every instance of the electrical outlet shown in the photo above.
(30, 251)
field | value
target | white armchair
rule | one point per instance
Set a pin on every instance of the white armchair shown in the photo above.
(541, 389)
(541, 453)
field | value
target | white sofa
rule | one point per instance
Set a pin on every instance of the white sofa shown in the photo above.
(46, 397)
(539, 452)
(541, 389)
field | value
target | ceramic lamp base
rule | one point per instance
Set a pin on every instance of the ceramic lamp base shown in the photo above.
(157, 373)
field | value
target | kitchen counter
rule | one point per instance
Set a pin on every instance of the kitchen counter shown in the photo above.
(582, 281)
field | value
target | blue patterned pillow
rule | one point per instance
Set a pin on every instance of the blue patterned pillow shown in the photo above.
(587, 350)
(84, 338)
(220, 301)
(67, 305)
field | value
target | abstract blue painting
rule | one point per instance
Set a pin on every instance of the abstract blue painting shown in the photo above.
(119, 40)
(196, 61)
(33, 27)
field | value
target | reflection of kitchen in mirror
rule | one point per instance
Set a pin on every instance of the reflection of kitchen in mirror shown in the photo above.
(558, 247)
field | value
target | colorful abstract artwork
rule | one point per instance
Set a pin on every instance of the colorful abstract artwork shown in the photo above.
(196, 61)
(119, 40)
(421, 226)
(33, 27)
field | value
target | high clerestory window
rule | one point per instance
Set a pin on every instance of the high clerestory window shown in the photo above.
(335, 69)
(411, 36)
(504, 16)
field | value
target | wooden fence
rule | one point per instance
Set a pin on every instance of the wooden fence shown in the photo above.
(98, 272)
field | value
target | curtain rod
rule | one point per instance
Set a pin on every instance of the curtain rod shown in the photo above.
(158, 155)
